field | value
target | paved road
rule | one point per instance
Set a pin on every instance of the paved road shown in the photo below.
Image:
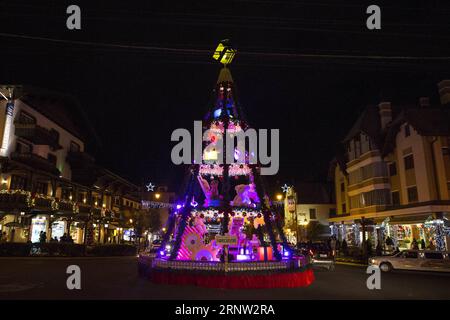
(116, 278)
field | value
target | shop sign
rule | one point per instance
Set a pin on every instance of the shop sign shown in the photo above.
(226, 240)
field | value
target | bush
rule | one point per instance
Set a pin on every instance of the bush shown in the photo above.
(112, 250)
(13, 249)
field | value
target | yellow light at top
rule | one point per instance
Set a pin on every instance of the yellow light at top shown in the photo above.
(224, 53)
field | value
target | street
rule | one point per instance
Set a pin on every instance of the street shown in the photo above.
(116, 278)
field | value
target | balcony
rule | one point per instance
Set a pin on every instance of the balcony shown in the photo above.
(82, 166)
(84, 208)
(36, 134)
(36, 162)
(78, 159)
(43, 203)
(65, 206)
(14, 201)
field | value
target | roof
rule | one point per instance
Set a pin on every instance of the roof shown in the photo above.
(314, 193)
(368, 122)
(427, 121)
(57, 107)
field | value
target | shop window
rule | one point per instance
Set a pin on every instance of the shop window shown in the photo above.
(18, 182)
(312, 213)
(392, 169)
(412, 194)
(407, 130)
(395, 198)
(409, 162)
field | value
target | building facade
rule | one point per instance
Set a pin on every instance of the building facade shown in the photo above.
(49, 183)
(307, 209)
(392, 178)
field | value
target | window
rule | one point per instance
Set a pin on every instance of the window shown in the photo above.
(412, 194)
(445, 151)
(434, 255)
(26, 118)
(344, 208)
(372, 198)
(42, 188)
(74, 147)
(22, 147)
(357, 146)
(395, 198)
(407, 130)
(409, 162)
(65, 194)
(18, 182)
(342, 187)
(392, 169)
(312, 213)
(332, 212)
(52, 158)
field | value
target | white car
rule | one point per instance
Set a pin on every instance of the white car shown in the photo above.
(414, 260)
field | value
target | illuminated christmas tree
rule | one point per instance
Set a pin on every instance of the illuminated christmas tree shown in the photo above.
(224, 201)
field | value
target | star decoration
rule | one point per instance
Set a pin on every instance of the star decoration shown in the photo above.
(285, 188)
(150, 186)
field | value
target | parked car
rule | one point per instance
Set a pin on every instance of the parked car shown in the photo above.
(422, 260)
(320, 254)
(156, 244)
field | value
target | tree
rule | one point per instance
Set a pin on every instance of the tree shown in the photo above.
(155, 221)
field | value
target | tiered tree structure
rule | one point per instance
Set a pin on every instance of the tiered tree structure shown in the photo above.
(222, 198)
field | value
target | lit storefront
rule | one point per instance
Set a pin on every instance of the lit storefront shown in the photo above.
(38, 225)
(58, 229)
(402, 231)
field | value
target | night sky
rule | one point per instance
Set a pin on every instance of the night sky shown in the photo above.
(134, 89)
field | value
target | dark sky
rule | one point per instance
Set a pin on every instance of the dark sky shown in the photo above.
(134, 93)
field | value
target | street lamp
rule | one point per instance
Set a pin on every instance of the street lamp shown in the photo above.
(157, 195)
(279, 197)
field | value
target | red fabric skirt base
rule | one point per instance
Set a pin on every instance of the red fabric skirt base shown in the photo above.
(301, 278)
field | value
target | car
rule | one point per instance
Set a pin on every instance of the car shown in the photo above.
(156, 244)
(320, 254)
(421, 260)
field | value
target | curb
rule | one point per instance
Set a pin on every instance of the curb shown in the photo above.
(351, 264)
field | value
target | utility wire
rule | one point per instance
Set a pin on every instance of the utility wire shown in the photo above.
(241, 53)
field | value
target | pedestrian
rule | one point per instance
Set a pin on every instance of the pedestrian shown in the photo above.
(415, 244)
(379, 249)
(344, 247)
(389, 243)
(63, 238)
(422, 244)
(397, 250)
(3, 237)
(42, 237)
